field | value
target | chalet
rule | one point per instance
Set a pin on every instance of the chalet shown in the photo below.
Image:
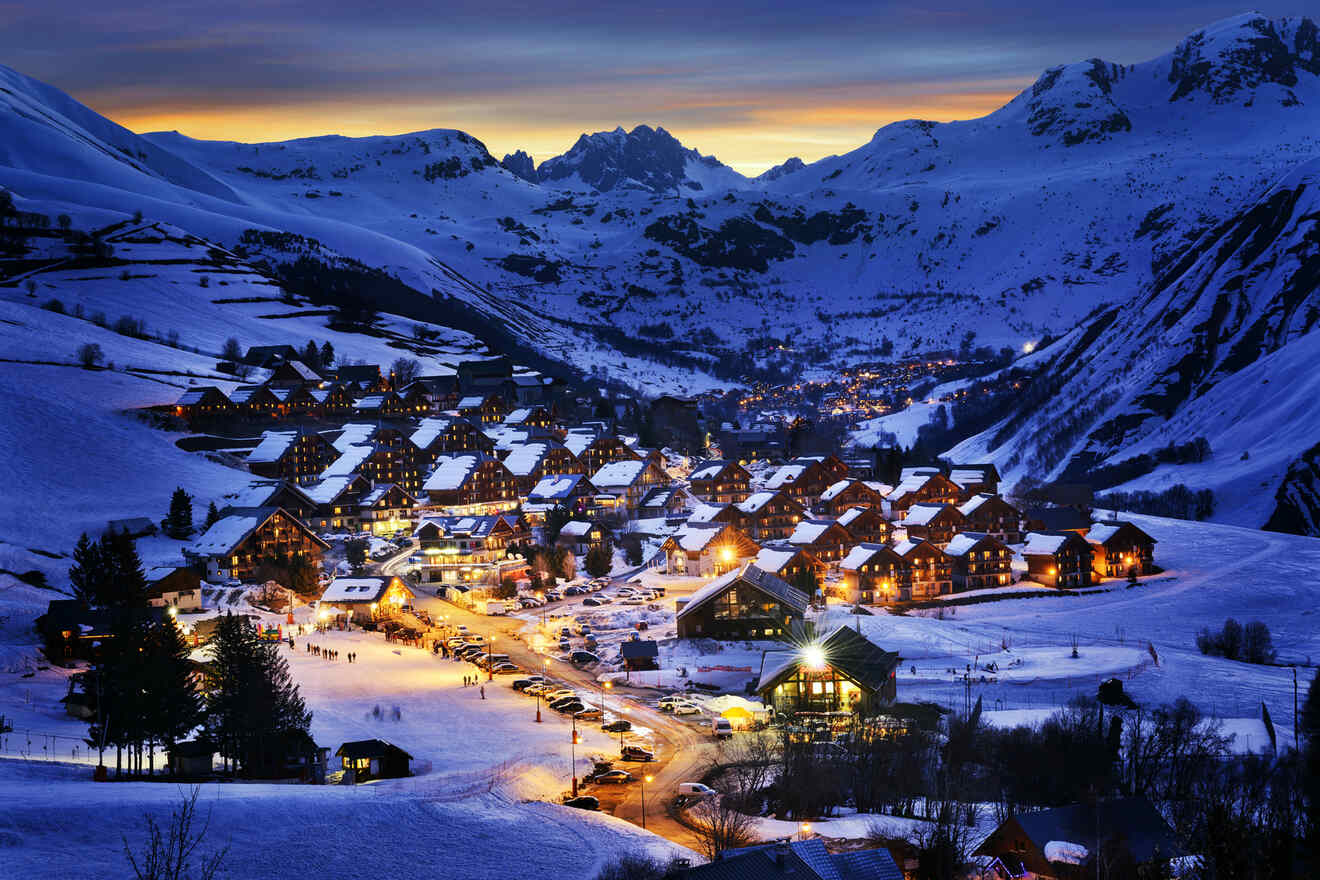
(745, 603)
(191, 759)
(720, 482)
(482, 410)
(176, 588)
(580, 536)
(381, 405)
(707, 549)
(297, 456)
(1058, 519)
(823, 538)
(292, 374)
(439, 392)
(446, 436)
(843, 672)
(573, 492)
(276, 493)
(336, 500)
(937, 523)
(873, 574)
(471, 483)
(751, 444)
(929, 571)
(921, 488)
(600, 451)
(386, 510)
(628, 480)
(470, 550)
(379, 462)
(799, 859)
(255, 402)
(366, 598)
(1056, 843)
(266, 356)
(793, 564)
(865, 524)
(844, 494)
(300, 400)
(639, 655)
(531, 462)
(664, 502)
(531, 417)
(1118, 548)
(203, 404)
(806, 479)
(975, 479)
(1058, 559)
(72, 631)
(770, 515)
(415, 400)
(236, 544)
(471, 372)
(728, 514)
(993, 515)
(979, 561)
(369, 759)
(531, 388)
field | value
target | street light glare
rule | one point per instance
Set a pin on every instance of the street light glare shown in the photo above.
(814, 656)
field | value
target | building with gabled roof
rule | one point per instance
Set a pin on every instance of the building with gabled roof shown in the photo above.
(600, 450)
(825, 538)
(793, 564)
(918, 488)
(798, 860)
(720, 482)
(865, 524)
(366, 598)
(336, 500)
(1058, 559)
(980, 561)
(976, 478)
(993, 515)
(470, 551)
(707, 549)
(1119, 547)
(529, 462)
(202, 403)
(471, 483)
(929, 571)
(744, 603)
(845, 672)
(846, 493)
(291, 374)
(937, 523)
(237, 543)
(386, 510)
(770, 515)
(483, 409)
(629, 480)
(873, 574)
(297, 456)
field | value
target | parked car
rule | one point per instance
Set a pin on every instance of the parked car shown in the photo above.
(618, 725)
(564, 699)
(590, 714)
(594, 601)
(553, 595)
(683, 707)
(565, 645)
(666, 704)
(590, 643)
(582, 658)
(572, 591)
(636, 753)
(696, 789)
(583, 802)
(616, 777)
(721, 728)
(522, 684)
(557, 693)
(572, 707)
(505, 668)
(634, 600)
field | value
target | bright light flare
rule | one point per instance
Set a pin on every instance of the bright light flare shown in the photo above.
(814, 657)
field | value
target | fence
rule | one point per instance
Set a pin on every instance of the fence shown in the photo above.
(33, 745)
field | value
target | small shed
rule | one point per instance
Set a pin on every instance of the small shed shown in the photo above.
(640, 654)
(191, 758)
(369, 759)
(742, 713)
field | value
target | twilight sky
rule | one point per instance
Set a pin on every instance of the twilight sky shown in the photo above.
(752, 83)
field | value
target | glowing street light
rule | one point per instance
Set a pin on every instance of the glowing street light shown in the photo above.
(813, 656)
(645, 779)
(806, 829)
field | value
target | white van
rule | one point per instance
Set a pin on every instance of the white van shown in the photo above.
(695, 789)
(721, 728)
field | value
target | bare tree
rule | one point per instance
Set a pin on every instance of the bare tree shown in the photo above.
(403, 371)
(719, 826)
(89, 355)
(170, 853)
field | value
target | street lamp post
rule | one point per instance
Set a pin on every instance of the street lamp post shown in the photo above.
(645, 779)
(605, 686)
(572, 759)
(490, 670)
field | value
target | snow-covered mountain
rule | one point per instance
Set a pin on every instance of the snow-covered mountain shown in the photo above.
(1222, 346)
(992, 231)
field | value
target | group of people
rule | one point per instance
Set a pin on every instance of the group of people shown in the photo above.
(474, 681)
(327, 653)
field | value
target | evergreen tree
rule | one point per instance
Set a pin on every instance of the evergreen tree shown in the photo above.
(327, 355)
(555, 520)
(311, 355)
(87, 574)
(178, 522)
(212, 516)
(1309, 725)
(126, 583)
(805, 580)
(599, 560)
(174, 706)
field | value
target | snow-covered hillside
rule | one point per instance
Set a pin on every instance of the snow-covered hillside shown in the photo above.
(1222, 346)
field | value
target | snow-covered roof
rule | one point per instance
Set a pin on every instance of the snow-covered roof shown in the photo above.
(228, 532)
(963, 542)
(354, 434)
(860, 555)
(695, 537)
(911, 484)
(907, 545)
(1100, 532)
(1067, 852)
(618, 473)
(808, 530)
(834, 489)
(784, 475)
(471, 402)
(708, 470)
(372, 401)
(356, 589)
(525, 458)
(851, 514)
(922, 514)
(765, 581)
(518, 416)
(451, 472)
(706, 512)
(576, 528)
(754, 502)
(556, 487)
(1043, 545)
(273, 445)
(427, 431)
(328, 489)
(973, 503)
(966, 476)
(348, 462)
(774, 558)
(921, 471)
(578, 442)
(194, 395)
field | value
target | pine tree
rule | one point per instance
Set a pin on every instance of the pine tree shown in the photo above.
(126, 582)
(178, 522)
(212, 516)
(87, 574)
(598, 560)
(1309, 725)
(327, 355)
(174, 707)
(311, 355)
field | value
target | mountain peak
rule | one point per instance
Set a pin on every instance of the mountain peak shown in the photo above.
(645, 158)
(1244, 57)
(519, 164)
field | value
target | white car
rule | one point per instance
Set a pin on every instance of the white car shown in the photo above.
(686, 708)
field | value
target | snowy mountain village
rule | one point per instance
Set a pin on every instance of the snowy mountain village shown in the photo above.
(945, 509)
